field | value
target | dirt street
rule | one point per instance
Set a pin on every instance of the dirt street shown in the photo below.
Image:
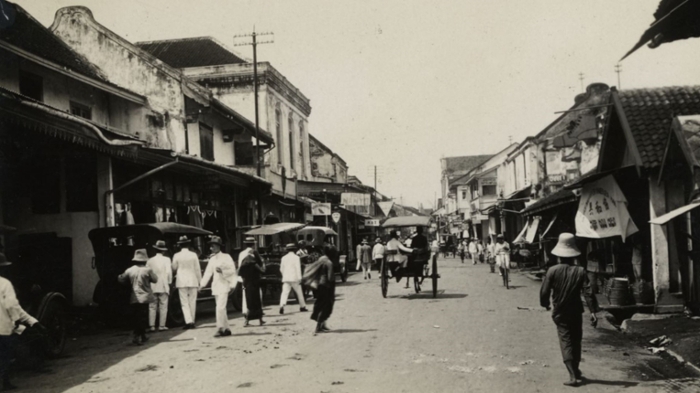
(475, 337)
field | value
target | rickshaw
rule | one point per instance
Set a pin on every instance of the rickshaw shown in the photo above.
(114, 248)
(416, 262)
(315, 238)
(271, 240)
(40, 296)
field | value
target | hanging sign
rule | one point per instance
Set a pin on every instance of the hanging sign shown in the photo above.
(386, 207)
(356, 202)
(372, 223)
(321, 209)
(336, 217)
(602, 211)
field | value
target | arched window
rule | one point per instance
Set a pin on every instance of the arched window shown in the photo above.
(278, 129)
(292, 158)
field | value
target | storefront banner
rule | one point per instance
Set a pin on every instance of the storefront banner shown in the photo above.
(602, 211)
(372, 223)
(354, 199)
(321, 209)
(532, 230)
(386, 207)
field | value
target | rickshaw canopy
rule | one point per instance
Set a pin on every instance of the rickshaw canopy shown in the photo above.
(407, 221)
(325, 230)
(274, 229)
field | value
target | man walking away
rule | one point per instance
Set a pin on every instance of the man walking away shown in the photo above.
(366, 259)
(473, 251)
(290, 267)
(11, 315)
(222, 271)
(460, 250)
(163, 269)
(566, 282)
(140, 278)
(188, 275)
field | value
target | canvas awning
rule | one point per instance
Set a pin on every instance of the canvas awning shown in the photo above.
(549, 226)
(661, 220)
(521, 236)
(274, 229)
(407, 221)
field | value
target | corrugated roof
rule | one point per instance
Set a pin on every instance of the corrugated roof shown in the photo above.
(191, 52)
(28, 34)
(650, 113)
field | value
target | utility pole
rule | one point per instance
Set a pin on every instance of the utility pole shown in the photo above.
(580, 77)
(618, 70)
(255, 44)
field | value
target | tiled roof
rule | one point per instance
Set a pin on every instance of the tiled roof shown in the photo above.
(650, 113)
(464, 163)
(28, 34)
(191, 52)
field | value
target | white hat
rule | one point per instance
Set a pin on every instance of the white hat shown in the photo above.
(566, 246)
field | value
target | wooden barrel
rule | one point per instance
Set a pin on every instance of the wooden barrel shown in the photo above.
(620, 292)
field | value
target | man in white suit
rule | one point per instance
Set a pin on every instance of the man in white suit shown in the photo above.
(222, 271)
(162, 267)
(188, 275)
(290, 267)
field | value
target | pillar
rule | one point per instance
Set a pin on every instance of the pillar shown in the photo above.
(104, 184)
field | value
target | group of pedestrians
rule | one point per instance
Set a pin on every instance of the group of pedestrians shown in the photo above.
(472, 249)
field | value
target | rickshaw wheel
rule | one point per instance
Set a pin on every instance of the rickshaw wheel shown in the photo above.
(385, 279)
(416, 285)
(53, 317)
(435, 277)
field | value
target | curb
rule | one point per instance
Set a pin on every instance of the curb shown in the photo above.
(680, 359)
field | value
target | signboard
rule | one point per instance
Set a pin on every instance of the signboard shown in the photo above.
(356, 202)
(321, 209)
(386, 207)
(372, 223)
(336, 217)
(488, 181)
(308, 217)
(602, 211)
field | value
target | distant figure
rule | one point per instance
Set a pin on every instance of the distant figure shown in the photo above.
(320, 275)
(162, 267)
(366, 259)
(378, 255)
(473, 250)
(491, 255)
(502, 251)
(140, 278)
(250, 269)
(461, 251)
(12, 320)
(480, 250)
(222, 272)
(394, 258)
(188, 275)
(566, 283)
(290, 267)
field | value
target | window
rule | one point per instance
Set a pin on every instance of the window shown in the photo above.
(464, 194)
(244, 153)
(292, 158)
(80, 110)
(278, 129)
(31, 85)
(301, 144)
(488, 190)
(206, 142)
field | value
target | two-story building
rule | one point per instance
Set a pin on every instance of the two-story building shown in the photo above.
(283, 109)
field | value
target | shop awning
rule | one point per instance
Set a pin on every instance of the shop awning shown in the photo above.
(559, 198)
(521, 236)
(532, 230)
(661, 220)
(407, 221)
(595, 176)
(521, 193)
(549, 226)
(274, 229)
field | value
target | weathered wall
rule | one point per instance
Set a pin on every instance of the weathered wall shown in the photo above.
(128, 67)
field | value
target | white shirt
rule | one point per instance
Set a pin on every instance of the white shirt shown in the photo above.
(186, 265)
(472, 247)
(290, 267)
(10, 310)
(395, 244)
(224, 281)
(163, 269)
(378, 251)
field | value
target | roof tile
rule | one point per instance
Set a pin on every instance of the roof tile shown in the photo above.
(191, 52)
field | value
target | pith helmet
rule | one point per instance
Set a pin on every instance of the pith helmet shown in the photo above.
(566, 246)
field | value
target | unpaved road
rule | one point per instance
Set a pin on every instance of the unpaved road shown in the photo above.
(472, 338)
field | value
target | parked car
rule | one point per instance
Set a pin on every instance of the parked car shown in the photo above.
(114, 248)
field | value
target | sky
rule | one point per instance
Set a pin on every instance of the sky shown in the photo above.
(398, 84)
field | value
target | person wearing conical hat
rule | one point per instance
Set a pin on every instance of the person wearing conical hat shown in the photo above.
(188, 274)
(140, 278)
(565, 283)
(162, 267)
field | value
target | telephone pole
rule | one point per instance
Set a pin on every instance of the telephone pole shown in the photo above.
(255, 44)
(618, 70)
(580, 77)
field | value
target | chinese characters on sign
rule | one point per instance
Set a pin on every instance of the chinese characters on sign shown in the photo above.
(602, 211)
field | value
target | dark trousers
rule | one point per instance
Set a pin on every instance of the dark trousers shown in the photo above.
(570, 331)
(7, 352)
(139, 318)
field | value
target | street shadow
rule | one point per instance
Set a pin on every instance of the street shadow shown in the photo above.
(624, 384)
(516, 286)
(341, 331)
(274, 324)
(348, 283)
(249, 334)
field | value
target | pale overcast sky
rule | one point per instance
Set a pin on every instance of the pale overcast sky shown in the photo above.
(399, 84)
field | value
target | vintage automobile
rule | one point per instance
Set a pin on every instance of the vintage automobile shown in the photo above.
(37, 279)
(315, 237)
(114, 248)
